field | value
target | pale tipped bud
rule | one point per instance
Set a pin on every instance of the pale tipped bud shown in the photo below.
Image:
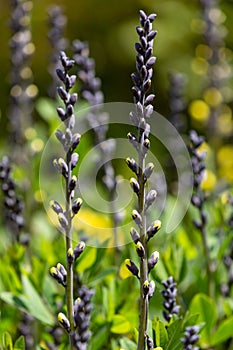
(73, 183)
(135, 235)
(148, 171)
(132, 164)
(150, 198)
(62, 270)
(136, 217)
(62, 220)
(56, 207)
(153, 229)
(133, 140)
(152, 261)
(63, 320)
(74, 160)
(140, 249)
(75, 141)
(79, 249)
(146, 288)
(135, 185)
(70, 256)
(77, 205)
(151, 289)
(132, 267)
(57, 275)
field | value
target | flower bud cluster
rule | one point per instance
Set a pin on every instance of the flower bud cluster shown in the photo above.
(190, 338)
(22, 90)
(13, 205)
(169, 294)
(57, 23)
(82, 312)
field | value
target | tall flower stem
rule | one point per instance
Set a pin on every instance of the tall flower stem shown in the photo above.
(143, 261)
(198, 200)
(140, 118)
(69, 141)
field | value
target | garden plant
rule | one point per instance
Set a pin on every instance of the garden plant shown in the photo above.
(116, 228)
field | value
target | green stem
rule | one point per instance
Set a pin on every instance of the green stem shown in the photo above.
(143, 261)
(208, 262)
(69, 278)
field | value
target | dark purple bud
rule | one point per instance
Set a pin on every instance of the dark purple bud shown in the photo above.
(151, 35)
(143, 72)
(148, 53)
(61, 113)
(73, 99)
(152, 17)
(151, 62)
(139, 48)
(61, 75)
(62, 93)
(72, 80)
(59, 135)
(139, 30)
(143, 17)
(143, 42)
(149, 99)
(74, 160)
(69, 110)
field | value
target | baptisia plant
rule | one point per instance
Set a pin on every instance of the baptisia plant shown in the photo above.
(145, 198)
(64, 275)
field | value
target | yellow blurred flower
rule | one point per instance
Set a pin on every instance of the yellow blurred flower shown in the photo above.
(225, 162)
(209, 181)
(213, 97)
(200, 66)
(199, 110)
(124, 272)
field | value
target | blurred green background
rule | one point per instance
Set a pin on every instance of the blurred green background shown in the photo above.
(109, 26)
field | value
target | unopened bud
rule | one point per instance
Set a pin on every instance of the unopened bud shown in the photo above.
(151, 289)
(140, 249)
(150, 198)
(152, 261)
(132, 267)
(135, 235)
(146, 288)
(135, 185)
(70, 256)
(79, 249)
(148, 171)
(57, 275)
(77, 205)
(137, 217)
(73, 183)
(63, 320)
(62, 220)
(153, 229)
(56, 207)
(132, 164)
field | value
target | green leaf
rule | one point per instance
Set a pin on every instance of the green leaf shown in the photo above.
(120, 325)
(102, 275)
(204, 306)
(47, 109)
(20, 343)
(125, 343)
(17, 301)
(7, 341)
(87, 259)
(161, 335)
(97, 341)
(174, 334)
(35, 305)
(223, 332)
